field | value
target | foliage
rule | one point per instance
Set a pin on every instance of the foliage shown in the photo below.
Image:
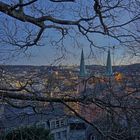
(28, 133)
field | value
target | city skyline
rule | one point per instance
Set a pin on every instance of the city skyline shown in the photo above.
(71, 60)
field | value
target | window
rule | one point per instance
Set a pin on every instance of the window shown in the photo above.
(52, 125)
(57, 124)
(62, 122)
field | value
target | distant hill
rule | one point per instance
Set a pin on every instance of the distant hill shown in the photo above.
(16, 69)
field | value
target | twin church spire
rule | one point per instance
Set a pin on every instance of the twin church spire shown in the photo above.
(109, 71)
(82, 72)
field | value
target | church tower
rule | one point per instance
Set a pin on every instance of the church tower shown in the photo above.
(82, 74)
(109, 71)
(87, 111)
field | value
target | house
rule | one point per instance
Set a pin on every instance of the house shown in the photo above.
(61, 126)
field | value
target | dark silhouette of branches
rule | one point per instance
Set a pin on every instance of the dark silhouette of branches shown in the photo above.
(103, 11)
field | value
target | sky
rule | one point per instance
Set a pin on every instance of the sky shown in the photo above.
(47, 54)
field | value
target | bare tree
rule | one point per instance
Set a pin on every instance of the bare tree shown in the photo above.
(26, 24)
(33, 20)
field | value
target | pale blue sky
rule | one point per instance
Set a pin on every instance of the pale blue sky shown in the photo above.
(46, 54)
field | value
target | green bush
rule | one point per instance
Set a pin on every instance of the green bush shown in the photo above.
(28, 133)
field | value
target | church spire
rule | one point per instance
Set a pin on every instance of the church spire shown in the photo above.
(109, 65)
(82, 72)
